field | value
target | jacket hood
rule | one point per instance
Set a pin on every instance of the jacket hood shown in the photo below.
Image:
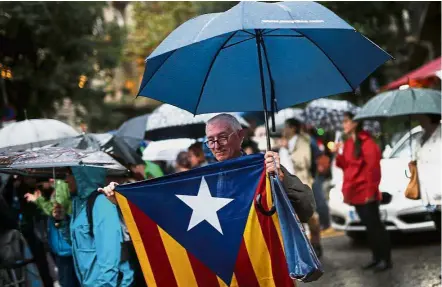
(364, 135)
(88, 179)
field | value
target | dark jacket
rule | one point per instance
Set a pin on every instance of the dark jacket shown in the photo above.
(300, 195)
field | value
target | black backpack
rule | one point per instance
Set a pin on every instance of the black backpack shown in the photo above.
(127, 249)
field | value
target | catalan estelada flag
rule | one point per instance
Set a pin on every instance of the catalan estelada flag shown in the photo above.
(202, 227)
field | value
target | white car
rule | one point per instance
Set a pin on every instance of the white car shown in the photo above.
(397, 211)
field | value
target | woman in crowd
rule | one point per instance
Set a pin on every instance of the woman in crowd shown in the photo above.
(59, 246)
(429, 165)
(196, 155)
(360, 161)
(182, 162)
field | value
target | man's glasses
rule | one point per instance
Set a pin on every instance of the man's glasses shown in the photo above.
(223, 140)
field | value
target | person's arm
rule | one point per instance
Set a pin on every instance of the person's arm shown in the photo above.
(340, 159)
(44, 204)
(300, 195)
(372, 158)
(108, 239)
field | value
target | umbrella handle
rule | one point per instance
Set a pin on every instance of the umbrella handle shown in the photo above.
(261, 208)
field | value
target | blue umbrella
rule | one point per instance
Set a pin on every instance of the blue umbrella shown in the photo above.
(259, 57)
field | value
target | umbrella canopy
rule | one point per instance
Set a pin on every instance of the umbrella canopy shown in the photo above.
(430, 69)
(169, 122)
(401, 103)
(121, 150)
(83, 142)
(285, 114)
(232, 61)
(34, 133)
(328, 114)
(132, 131)
(49, 160)
(166, 150)
(111, 144)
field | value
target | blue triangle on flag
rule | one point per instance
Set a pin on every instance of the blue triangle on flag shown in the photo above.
(235, 179)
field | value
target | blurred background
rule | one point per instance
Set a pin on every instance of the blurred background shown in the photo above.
(82, 62)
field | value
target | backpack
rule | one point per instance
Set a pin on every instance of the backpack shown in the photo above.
(127, 249)
(11, 250)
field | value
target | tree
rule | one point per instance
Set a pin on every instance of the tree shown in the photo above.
(155, 20)
(54, 51)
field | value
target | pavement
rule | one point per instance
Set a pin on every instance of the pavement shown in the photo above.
(416, 262)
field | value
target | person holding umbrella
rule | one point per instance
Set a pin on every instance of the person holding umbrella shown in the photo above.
(423, 105)
(224, 138)
(97, 247)
(360, 161)
(428, 162)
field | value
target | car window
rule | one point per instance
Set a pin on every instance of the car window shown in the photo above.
(404, 151)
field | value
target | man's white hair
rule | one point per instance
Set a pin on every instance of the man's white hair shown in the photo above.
(231, 120)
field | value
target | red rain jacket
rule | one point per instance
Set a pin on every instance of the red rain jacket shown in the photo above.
(363, 175)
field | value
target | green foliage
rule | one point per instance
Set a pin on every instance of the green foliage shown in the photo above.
(49, 45)
(155, 20)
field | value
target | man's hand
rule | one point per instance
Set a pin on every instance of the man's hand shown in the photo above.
(32, 197)
(58, 212)
(109, 191)
(272, 160)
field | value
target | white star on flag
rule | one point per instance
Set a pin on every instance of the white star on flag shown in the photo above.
(204, 206)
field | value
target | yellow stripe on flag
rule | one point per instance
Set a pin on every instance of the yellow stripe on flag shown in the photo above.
(181, 266)
(257, 249)
(275, 218)
(136, 240)
(234, 283)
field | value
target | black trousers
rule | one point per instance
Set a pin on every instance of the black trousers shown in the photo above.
(377, 235)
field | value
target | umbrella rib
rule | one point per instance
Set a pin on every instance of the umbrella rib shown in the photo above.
(293, 36)
(234, 44)
(210, 69)
(245, 31)
(154, 73)
(268, 32)
(330, 59)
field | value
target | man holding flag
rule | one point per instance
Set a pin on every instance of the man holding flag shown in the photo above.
(224, 138)
(203, 227)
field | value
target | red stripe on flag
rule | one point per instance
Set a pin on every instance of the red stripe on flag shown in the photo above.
(279, 264)
(245, 275)
(153, 244)
(204, 276)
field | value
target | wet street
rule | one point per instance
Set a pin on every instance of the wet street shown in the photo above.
(416, 259)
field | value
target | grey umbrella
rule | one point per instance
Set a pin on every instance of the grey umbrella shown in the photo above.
(403, 102)
(132, 131)
(170, 122)
(55, 160)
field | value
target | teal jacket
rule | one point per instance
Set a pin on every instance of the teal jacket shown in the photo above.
(97, 259)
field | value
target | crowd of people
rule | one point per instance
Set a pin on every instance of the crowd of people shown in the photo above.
(68, 222)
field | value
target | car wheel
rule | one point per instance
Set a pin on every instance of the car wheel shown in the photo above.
(356, 236)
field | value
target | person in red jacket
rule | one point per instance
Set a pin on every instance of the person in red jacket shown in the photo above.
(360, 159)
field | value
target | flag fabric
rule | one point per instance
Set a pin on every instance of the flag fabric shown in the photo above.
(303, 264)
(201, 227)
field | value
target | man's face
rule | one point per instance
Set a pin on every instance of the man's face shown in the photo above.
(221, 131)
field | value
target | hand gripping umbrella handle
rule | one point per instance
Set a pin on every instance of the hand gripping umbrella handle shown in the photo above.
(258, 203)
(261, 209)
